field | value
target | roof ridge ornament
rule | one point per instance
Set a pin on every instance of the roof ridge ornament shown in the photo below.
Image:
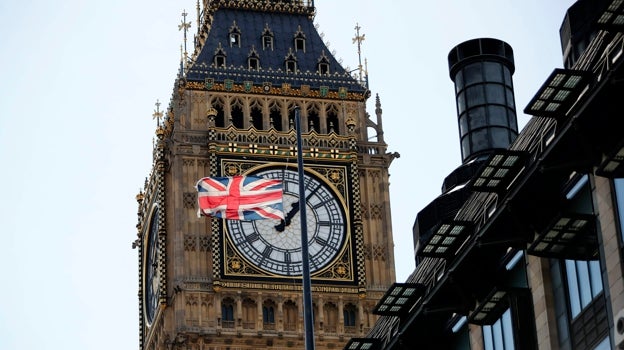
(359, 38)
(184, 26)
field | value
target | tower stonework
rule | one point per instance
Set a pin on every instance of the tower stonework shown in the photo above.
(207, 283)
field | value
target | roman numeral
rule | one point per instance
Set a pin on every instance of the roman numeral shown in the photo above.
(267, 252)
(253, 237)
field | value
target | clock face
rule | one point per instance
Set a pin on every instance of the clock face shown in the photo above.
(151, 277)
(275, 245)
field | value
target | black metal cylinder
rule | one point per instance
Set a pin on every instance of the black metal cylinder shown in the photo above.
(481, 70)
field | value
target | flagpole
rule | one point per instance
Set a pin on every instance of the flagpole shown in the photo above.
(308, 325)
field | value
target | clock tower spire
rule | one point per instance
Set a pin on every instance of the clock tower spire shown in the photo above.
(209, 283)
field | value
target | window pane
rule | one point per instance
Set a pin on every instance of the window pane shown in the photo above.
(472, 73)
(498, 115)
(619, 195)
(584, 284)
(500, 137)
(463, 125)
(493, 72)
(461, 103)
(475, 96)
(479, 140)
(487, 338)
(497, 332)
(508, 330)
(573, 293)
(495, 93)
(507, 74)
(604, 345)
(596, 278)
(477, 118)
(459, 81)
(510, 98)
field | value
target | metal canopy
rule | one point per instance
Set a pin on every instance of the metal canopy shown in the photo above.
(491, 308)
(558, 93)
(363, 344)
(399, 299)
(612, 166)
(499, 171)
(446, 238)
(613, 16)
(569, 236)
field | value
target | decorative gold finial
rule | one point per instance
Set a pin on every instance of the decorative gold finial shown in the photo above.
(139, 197)
(157, 113)
(359, 38)
(211, 113)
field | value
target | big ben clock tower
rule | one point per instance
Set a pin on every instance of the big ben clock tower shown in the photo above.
(213, 284)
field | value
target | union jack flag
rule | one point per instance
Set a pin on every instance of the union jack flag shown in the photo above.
(240, 198)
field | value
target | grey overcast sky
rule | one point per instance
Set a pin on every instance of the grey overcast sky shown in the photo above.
(79, 82)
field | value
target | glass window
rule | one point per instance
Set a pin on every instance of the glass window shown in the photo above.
(619, 197)
(227, 312)
(268, 314)
(475, 96)
(463, 125)
(498, 115)
(499, 336)
(510, 98)
(461, 103)
(604, 345)
(459, 81)
(500, 137)
(472, 73)
(493, 72)
(349, 315)
(477, 118)
(495, 93)
(480, 140)
(584, 284)
(507, 74)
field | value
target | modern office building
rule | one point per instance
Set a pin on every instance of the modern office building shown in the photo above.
(213, 284)
(524, 247)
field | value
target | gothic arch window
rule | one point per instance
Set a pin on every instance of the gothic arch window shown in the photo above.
(267, 38)
(218, 104)
(234, 35)
(349, 316)
(268, 314)
(330, 311)
(275, 115)
(256, 115)
(253, 60)
(314, 122)
(290, 316)
(322, 67)
(332, 119)
(219, 57)
(291, 114)
(237, 114)
(227, 313)
(300, 40)
(249, 313)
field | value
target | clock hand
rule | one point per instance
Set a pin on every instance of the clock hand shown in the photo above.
(295, 209)
(286, 221)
